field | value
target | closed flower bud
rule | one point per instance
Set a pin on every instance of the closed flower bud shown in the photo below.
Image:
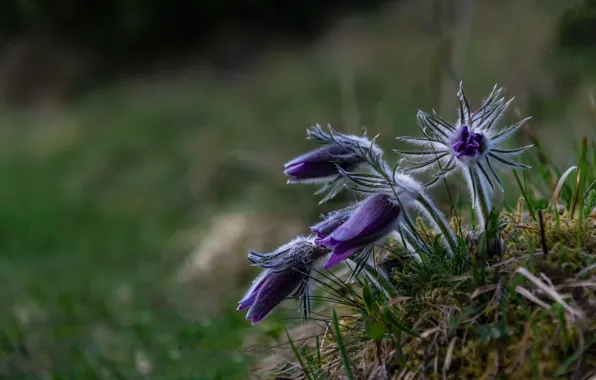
(320, 165)
(339, 154)
(287, 272)
(375, 218)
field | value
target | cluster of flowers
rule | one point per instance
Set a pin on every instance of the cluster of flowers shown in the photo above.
(390, 196)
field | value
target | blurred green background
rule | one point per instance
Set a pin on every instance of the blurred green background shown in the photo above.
(142, 143)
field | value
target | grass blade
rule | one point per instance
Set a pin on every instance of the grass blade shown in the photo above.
(560, 184)
(298, 356)
(580, 177)
(525, 195)
(578, 200)
(342, 349)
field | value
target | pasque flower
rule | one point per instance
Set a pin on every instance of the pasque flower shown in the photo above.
(320, 165)
(286, 274)
(406, 192)
(374, 219)
(472, 146)
(332, 221)
(323, 165)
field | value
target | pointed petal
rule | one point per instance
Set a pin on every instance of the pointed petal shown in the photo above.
(336, 258)
(328, 242)
(326, 227)
(250, 296)
(276, 288)
(307, 170)
(322, 154)
(375, 213)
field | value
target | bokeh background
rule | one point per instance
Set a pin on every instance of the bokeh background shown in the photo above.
(142, 143)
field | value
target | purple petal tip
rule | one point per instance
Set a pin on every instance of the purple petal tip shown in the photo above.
(333, 261)
(326, 242)
(255, 319)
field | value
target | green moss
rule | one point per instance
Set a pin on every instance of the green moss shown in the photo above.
(465, 330)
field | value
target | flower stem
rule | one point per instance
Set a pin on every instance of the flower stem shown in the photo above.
(481, 197)
(435, 217)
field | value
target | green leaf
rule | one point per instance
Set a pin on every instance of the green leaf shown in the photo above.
(375, 331)
(367, 297)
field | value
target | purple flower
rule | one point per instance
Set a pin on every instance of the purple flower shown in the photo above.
(338, 156)
(469, 144)
(251, 295)
(473, 142)
(286, 275)
(320, 165)
(472, 146)
(331, 222)
(270, 290)
(375, 218)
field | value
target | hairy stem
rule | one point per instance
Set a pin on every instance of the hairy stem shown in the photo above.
(481, 197)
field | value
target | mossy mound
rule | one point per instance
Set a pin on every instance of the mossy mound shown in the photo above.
(524, 314)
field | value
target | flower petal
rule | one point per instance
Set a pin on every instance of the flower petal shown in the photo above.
(311, 169)
(328, 242)
(322, 154)
(246, 302)
(325, 227)
(336, 258)
(249, 298)
(276, 288)
(376, 213)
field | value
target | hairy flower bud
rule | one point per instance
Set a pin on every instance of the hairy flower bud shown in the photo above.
(375, 218)
(339, 154)
(287, 272)
(320, 165)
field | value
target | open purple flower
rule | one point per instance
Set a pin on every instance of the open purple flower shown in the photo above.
(469, 144)
(375, 218)
(472, 146)
(472, 142)
(286, 275)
